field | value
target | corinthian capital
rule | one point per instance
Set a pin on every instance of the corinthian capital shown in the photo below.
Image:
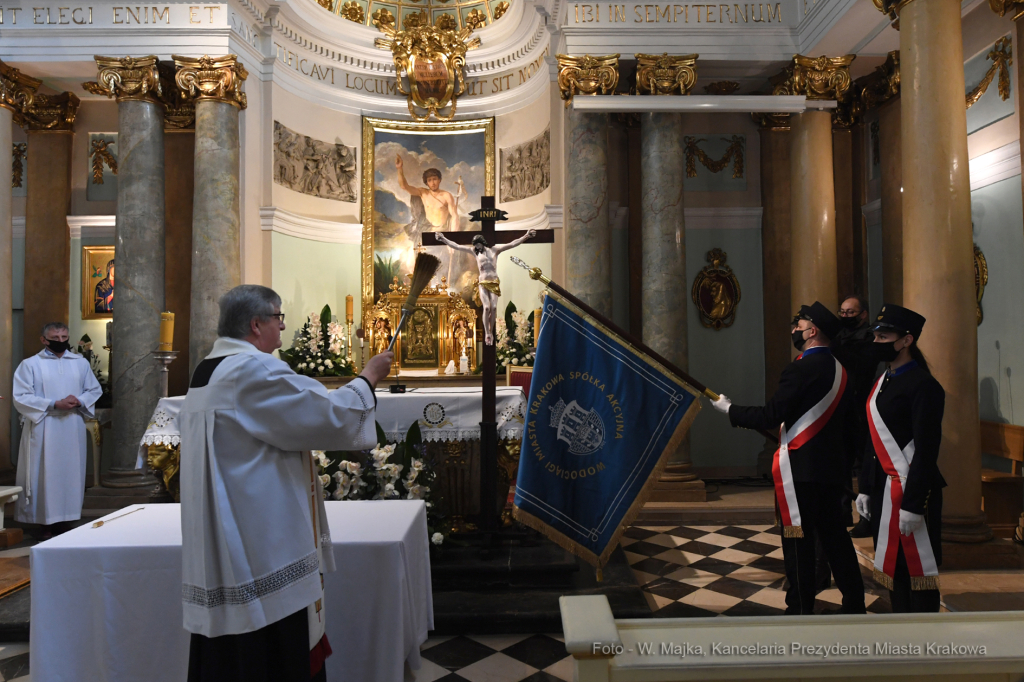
(52, 112)
(1014, 8)
(212, 78)
(664, 74)
(816, 77)
(883, 84)
(587, 75)
(127, 78)
(16, 90)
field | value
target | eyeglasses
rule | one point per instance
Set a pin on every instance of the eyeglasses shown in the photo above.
(849, 312)
(279, 316)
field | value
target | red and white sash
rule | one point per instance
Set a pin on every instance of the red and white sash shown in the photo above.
(917, 549)
(804, 429)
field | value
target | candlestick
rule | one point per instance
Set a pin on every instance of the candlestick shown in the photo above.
(349, 344)
(536, 325)
(166, 331)
(464, 363)
(348, 309)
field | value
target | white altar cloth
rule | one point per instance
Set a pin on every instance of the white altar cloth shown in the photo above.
(444, 414)
(106, 602)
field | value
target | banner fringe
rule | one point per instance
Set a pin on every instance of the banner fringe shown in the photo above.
(882, 579)
(792, 532)
(924, 582)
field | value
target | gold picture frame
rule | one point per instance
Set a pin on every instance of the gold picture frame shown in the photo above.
(473, 144)
(97, 291)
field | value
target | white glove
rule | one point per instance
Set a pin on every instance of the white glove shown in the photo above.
(910, 522)
(863, 504)
(722, 404)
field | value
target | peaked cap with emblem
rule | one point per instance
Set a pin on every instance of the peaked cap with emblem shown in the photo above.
(895, 318)
(823, 318)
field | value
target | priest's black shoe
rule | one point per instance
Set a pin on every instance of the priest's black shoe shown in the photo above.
(861, 530)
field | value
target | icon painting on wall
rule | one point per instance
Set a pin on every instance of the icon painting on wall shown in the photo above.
(716, 292)
(97, 282)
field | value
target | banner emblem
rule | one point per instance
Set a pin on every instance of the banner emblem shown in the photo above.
(583, 430)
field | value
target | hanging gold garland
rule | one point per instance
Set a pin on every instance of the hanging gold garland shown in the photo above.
(1002, 57)
(733, 153)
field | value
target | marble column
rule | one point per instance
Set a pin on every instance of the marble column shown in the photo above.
(216, 83)
(938, 268)
(813, 205)
(664, 290)
(588, 262)
(50, 122)
(891, 169)
(842, 173)
(139, 253)
(179, 163)
(16, 91)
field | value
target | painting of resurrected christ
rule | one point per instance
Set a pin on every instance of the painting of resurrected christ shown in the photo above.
(426, 178)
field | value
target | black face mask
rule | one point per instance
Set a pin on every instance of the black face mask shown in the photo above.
(798, 339)
(885, 352)
(849, 322)
(58, 347)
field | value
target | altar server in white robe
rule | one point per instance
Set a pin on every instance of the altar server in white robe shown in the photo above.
(54, 392)
(255, 541)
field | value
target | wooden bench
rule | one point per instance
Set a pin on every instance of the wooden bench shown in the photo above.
(1003, 493)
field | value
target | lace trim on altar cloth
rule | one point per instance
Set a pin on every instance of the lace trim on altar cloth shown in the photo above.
(449, 435)
(161, 439)
(257, 588)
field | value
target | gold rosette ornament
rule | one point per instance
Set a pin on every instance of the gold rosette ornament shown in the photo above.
(431, 60)
(587, 75)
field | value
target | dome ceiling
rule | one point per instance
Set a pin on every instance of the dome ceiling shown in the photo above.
(454, 14)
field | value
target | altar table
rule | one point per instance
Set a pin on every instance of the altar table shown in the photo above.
(106, 602)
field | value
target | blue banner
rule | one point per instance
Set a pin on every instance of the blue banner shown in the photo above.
(601, 421)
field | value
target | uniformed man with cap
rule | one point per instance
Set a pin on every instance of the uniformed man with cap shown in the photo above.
(809, 467)
(900, 483)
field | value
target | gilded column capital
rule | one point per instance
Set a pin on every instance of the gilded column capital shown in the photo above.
(16, 90)
(212, 78)
(883, 84)
(127, 79)
(179, 106)
(816, 78)
(586, 75)
(1015, 8)
(664, 74)
(55, 113)
(771, 121)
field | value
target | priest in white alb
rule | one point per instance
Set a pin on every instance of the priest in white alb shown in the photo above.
(255, 541)
(54, 392)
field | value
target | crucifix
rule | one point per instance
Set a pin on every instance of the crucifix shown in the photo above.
(487, 214)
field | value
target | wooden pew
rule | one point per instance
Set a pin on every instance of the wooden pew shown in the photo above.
(1003, 493)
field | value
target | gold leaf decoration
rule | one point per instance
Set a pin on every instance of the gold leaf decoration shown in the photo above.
(476, 19)
(734, 153)
(446, 22)
(383, 18)
(19, 152)
(326, 4)
(1001, 57)
(353, 11)
(500, 9)
(100, 153)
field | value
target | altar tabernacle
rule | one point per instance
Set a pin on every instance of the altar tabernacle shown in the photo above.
(255, 540)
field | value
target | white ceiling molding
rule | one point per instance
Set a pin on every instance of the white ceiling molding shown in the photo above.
(699, 103)
(556, 218)
(273, 219)
(723, 218)
(91, 226)
(18, 227)
(998, 164)
(872, 212)
(548, 219)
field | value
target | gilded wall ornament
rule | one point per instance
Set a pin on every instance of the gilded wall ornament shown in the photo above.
(816, 77)
(733, 153)
(326, 4)
(1001, 56)
(101, 156)
(353, 11)
(767, 121)
(320, 169)
(500, 9)
(665, 75)
(432, 61)
(980, 280)
(476, 19)
(179, 105)
(1004, 7)
(721, 88)
(19, 151)
(716, 292)
(883, 84)
(525, 169)
(383, 18)
(52, 112)
(212, 78)
(446, 22)
(16, 90)
(127, 78)
(848, 110)
(587, 75)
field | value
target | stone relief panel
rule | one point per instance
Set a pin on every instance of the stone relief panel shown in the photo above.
(321, 169)
(526, 168)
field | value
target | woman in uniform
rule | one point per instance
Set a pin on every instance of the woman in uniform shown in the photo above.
(901, 487)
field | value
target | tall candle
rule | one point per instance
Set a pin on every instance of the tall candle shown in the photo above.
(536, 325)
(166, 331)
(348, 309)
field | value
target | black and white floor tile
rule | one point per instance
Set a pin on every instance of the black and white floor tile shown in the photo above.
(14, 663)
(495, 658)
(702, 571)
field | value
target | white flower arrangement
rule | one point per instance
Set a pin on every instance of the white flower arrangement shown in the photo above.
(437, 538)
(514, 339)
(319, 348)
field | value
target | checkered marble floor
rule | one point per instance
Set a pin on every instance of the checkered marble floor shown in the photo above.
(495, 658)
(14, 663)
(695, 571)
